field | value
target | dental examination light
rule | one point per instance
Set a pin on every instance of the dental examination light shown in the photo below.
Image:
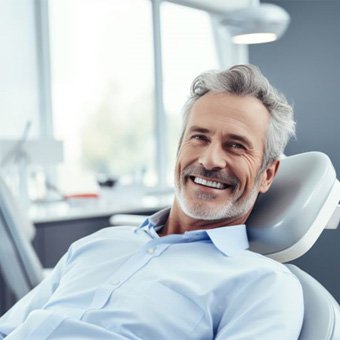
(258, 23)
(247, 21)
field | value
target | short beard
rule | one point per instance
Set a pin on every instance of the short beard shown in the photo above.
(199, 210)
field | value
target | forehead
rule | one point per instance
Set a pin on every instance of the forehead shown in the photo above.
(230, 114)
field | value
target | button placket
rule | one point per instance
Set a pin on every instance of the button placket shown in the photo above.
(127, 270)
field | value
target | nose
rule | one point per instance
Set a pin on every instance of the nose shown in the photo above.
(213, 157)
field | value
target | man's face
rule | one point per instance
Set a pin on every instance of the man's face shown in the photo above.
(217, 170)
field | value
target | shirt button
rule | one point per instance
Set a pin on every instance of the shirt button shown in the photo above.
(115, 282)
(151, 250)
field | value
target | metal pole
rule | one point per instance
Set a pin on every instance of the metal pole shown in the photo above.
(44, 68)
(160, 117)
(46, 129)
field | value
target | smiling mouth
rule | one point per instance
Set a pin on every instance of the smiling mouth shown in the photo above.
(209, 183)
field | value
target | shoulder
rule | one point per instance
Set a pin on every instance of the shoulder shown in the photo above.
(265, 274)
(268, 298)
(267, 290)
(263, 262)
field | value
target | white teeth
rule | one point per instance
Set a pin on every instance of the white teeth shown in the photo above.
(210, 184)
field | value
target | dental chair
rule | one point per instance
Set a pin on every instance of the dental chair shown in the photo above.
(19, 264)
(285, 223)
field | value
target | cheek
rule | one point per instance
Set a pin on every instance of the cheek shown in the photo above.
(177, 170)
(185, 156)
(179, 164)
(245, 170)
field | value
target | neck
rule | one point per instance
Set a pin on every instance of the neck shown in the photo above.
(178, 222)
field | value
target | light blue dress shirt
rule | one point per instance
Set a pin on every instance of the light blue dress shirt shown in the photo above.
(129, 283)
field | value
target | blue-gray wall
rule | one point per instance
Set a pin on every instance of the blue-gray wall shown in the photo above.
(305, 65)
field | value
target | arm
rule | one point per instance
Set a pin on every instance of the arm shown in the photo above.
(35, 299)
(270, 308)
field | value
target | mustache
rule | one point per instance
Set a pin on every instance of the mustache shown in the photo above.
(218, 175)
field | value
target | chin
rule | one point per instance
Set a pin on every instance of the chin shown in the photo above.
(208, 211)
(201, 210)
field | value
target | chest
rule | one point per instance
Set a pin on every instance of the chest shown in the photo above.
(149, 288)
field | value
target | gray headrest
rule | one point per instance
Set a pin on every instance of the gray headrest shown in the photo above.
(288, 219)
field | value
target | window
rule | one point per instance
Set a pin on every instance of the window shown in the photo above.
(18, 81)
(102, 89)
(19, 93)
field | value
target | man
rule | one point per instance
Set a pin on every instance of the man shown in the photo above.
(185, 273)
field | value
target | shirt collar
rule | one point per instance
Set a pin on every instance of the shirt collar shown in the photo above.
(157, 220)
(229, 239)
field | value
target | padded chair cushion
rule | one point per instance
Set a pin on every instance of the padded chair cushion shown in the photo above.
(322, 312)
(287, 220)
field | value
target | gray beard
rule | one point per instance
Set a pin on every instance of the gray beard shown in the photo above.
(199, 210)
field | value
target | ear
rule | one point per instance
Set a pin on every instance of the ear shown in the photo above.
(268, 176)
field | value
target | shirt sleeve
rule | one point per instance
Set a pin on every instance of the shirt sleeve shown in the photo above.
(270, 308)
(35, 299)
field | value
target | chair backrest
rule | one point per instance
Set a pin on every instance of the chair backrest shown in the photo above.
(288, 219)
(19, 264)
(322, 312)
(286, 222)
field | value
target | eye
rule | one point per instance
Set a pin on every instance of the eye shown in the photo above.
(237, 147)
(199, 137)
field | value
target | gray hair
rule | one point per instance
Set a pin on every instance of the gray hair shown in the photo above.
(247, 80)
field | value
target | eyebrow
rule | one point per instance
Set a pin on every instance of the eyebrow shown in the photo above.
(196, 128)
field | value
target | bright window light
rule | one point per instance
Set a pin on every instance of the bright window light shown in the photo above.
(102, 90)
